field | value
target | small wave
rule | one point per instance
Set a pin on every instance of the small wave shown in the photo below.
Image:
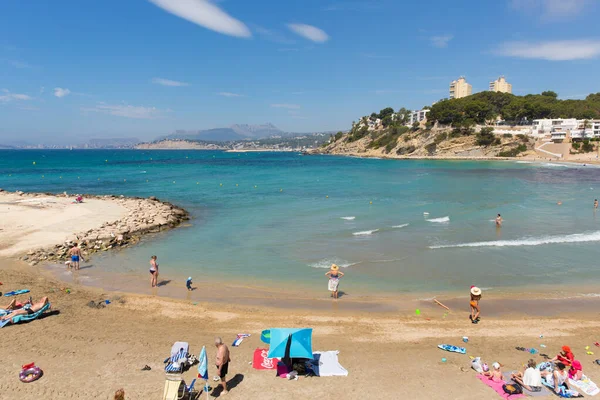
(327, 262)
(400, 226)
(574, 238)
(439, 220)
(425, 213)
(143, 172)
(364, 233)
(524, 162)
(591, 295)
(348, 218)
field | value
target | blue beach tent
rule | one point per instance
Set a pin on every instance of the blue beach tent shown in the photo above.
(291, 343)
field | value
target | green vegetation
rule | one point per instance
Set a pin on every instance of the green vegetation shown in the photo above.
(513, 152)
(587, 147)
(486, 137)
(487, 106)
(406, 150)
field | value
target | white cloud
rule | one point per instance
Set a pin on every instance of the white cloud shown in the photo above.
(551, 9)
(60, 92)
(206, 14)
(288, 106)
(309, 32)
(6, 96)
(561, 50)
(441, 41)
(127, 111)
(168, 82)
(229, 94)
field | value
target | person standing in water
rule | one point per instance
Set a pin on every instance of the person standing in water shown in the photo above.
(153, 271)
(76, 255)
(596, 203)
(474, 303)
(499, 221)
(334, 275)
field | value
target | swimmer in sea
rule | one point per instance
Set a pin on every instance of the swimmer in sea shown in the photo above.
(596, 203)
(498, 221)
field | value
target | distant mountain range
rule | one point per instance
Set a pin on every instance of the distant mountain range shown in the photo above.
(234, 132)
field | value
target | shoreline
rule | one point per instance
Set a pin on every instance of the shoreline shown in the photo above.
(109, 222)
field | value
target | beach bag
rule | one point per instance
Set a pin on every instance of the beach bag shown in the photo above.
(512, 388)
(476, 365)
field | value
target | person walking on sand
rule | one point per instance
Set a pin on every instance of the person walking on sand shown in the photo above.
(474, 303)
(153, 271)
(499, 221)
(222, 363)
(76, 255)
(334, 275)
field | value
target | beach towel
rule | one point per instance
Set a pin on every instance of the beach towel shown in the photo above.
(452, 349)
(542, 393)
(497, 386)
(325, 363)
(261, 360)
(25, 317)
(16, 292)
(585, 385)
(563, 392)
(240, 338)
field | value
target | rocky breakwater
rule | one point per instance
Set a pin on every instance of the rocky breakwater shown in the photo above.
(144, 216)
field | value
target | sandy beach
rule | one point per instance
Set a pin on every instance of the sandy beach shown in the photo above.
(390, 352)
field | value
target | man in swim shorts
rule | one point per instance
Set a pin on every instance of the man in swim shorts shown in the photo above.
(76, 255)
(222, 362)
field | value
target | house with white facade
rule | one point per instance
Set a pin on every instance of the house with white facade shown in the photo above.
(417, 116)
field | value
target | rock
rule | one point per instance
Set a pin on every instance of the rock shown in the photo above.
(152, 198)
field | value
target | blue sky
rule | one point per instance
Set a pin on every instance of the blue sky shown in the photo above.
(72, 69)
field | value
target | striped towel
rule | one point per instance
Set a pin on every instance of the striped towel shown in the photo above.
(176, 362)
(240, 338)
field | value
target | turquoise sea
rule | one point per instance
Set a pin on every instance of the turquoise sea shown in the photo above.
(264, 218)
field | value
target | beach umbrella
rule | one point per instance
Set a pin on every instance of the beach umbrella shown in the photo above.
(291, 343)
(203, 369)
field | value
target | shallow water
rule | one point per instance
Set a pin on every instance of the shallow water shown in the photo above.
(394, 226)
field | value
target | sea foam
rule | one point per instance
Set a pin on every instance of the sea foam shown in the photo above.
(364, 233)
(439, 220)
(327, 262)
(574, 238)
(348, 218)
(400, 226)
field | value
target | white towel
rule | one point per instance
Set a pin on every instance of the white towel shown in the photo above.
(329, 364)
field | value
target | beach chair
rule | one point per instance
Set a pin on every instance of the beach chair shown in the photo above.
(26, 317)
(176, 389)
(178, 359)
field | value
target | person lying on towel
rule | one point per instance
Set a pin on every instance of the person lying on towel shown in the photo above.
(28, 308)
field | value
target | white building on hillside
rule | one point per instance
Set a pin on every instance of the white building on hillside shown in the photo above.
(418, 116)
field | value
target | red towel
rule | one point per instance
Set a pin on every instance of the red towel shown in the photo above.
(261, 361)
(497, 386)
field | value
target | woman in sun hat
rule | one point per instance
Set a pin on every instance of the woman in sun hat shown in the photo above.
(334, 275)
(474, 303)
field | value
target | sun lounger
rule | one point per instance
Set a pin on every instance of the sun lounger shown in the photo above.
(25, 317)
(178, 359)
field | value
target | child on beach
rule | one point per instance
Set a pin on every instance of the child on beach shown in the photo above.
(474, 303)
(188, 283)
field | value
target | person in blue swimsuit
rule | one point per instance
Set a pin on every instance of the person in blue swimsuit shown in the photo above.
(76, 255)
(334, 275)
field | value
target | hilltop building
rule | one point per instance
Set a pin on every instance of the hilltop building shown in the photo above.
(417, 116)
(500, 85)
(460, 88)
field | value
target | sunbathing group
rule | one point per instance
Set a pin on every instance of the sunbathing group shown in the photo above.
(15, 308)
(555, 373)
